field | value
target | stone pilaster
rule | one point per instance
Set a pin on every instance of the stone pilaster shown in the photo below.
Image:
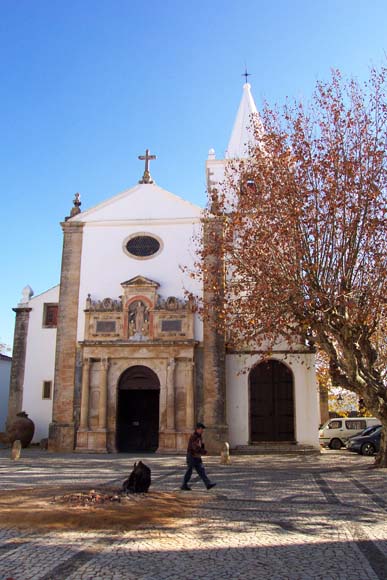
(15, 400)
(84, 421)
(62, 428)
(171, 394)
(103, 392)
(190, 398)
(214, 373)
(167, 432)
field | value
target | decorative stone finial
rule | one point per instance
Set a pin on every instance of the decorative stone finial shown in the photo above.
(75, 210)
(27, 294)
(211, 153)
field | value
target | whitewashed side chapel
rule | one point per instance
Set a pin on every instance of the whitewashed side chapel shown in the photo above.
(114, 359)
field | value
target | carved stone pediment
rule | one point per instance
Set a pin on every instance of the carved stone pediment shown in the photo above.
(140, 281)
(139, 290)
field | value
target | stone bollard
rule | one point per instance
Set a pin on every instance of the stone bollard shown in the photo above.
(225, 454)
(16, 450)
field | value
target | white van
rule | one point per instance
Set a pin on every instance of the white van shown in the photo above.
(335, 432)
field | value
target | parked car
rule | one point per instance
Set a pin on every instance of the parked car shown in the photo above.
(366, 444)
(335, 432)
(366, 431)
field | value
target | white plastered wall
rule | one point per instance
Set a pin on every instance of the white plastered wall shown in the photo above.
(105, 264)
(305, 396)
(40, 364)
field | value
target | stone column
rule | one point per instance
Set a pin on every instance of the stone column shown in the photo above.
(103, 392)
(214, 355)
(15, 400)
(189, 397)
(163, 400)
(62, 428)
(84, 421)
(171, 394)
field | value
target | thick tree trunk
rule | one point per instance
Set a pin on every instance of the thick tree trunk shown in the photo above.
(381, 458)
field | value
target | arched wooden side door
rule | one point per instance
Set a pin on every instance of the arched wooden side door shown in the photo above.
(271, 402)
(138, 410)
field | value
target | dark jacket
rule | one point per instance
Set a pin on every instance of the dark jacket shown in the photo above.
(196, 446)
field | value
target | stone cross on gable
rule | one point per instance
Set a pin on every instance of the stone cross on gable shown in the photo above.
(146, 178)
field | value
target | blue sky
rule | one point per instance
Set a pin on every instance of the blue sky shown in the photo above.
(87, 85)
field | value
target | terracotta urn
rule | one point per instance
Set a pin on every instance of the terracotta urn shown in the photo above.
(22, 428)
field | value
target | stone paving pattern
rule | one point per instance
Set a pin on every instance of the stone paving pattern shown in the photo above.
(270, 517)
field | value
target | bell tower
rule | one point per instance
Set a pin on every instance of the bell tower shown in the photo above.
(215, 277)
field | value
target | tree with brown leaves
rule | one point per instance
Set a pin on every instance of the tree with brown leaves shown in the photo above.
(304, 235)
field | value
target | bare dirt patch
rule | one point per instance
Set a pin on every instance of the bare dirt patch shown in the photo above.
(97, 509)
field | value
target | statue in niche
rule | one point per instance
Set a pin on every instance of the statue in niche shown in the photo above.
(139, 317)
(138, 320)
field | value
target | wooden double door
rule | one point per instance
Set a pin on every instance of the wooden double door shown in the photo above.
(271, 402)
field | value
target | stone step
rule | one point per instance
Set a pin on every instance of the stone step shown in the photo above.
(275, 448)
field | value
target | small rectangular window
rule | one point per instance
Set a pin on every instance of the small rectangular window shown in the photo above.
(335, 425)
(50, 315)
(47, 388)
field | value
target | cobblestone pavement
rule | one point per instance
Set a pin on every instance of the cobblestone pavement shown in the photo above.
(270, 517)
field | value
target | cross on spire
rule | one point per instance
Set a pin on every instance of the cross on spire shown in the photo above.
(246, 74)
(146, 178)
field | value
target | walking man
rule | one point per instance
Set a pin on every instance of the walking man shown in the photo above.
(194, 459)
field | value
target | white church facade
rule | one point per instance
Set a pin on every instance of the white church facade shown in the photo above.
(115, 358)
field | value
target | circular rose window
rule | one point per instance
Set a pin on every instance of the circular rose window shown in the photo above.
(142, 246)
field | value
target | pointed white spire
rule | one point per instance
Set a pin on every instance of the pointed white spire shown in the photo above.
(241, 135)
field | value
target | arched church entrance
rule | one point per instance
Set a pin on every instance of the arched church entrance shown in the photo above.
(271, 402)
(138, 410)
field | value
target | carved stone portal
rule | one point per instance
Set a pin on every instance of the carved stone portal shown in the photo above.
(137, 329)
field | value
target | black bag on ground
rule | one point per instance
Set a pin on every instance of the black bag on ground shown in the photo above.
(139, 480)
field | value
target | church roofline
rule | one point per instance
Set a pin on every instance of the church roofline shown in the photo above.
(131, 191)
(146, 222)
(44, 292)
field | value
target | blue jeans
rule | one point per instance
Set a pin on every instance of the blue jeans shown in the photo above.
(197, 464)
